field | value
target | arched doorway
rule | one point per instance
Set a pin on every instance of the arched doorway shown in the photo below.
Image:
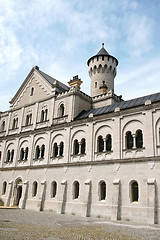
(18, 192)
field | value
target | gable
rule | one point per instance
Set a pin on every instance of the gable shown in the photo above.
(34, 89)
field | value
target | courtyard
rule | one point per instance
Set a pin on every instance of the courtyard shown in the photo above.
(17, 224)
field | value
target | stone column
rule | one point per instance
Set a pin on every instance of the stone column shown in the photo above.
(86, 208)
(116, 200)
(42, 195)
(152, 210)
(105, 147)
(134, 140)
(9, 193)
(63, 197)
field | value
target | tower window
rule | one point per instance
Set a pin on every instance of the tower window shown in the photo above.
(97, 58)
(102, 58)
(95, 84)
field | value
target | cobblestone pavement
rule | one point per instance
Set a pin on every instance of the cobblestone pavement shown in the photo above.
(16, 224)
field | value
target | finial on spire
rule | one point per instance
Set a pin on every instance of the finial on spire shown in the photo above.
(102, 45)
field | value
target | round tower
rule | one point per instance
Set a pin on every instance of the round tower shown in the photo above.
(102, 71)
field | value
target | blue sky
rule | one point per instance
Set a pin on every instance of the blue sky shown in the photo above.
(60, 36)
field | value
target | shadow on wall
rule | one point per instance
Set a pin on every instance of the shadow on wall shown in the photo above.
(1, 202)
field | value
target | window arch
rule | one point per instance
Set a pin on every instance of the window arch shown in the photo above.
(37, 153)
(108, 142)
(12, 155)
(75, 147)
(15, 123)
(129, 140)
(55, 150)
(61, 146)
(26, 153)
(42, 151)
(22, 154)
(139, 139)
(8, 156)
(28, 119)
(75, 190)
(44, 115)
(53, 189)
(83, 145)
(4, 188)
(102, 190)
(61, 110)
(100, 144)
(34, 189)
(134, 191)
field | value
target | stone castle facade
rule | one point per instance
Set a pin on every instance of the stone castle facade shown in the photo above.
(64, 151)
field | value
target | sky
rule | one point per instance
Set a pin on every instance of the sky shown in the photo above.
(60, 36)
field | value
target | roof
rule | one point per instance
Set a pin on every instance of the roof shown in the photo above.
(102, 52)
(136, 102)
(52, 80)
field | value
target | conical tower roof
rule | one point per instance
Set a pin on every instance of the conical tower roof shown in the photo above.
(102, 52)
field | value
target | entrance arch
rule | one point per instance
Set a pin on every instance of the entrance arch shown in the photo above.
(18, 191)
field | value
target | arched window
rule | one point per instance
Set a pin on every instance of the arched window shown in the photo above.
(100, 144)
(102, 188)
(14, 123)
(53, 189)
(139, 139)
(0, 155)
(26, 153)
(61, 148)
(75, 190)
(22, 154)
(55, 150)
(129, 140)
(61, 110)
(83, 145)
(29, 119)
(108, 142)
(37, 154)
(134, 192)
(42, 116)
(75, 147)
(32, 91)
(42, 151)
(3, 125)
(8, 156)
(95, 84)
(4, 187)
(46, 115)
(34, 189)
(12, 155)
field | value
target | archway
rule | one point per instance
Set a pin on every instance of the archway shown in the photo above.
(18, 192)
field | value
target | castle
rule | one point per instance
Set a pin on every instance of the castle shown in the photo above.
(64, 151)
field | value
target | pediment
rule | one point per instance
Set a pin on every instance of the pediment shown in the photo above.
(34, 89)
